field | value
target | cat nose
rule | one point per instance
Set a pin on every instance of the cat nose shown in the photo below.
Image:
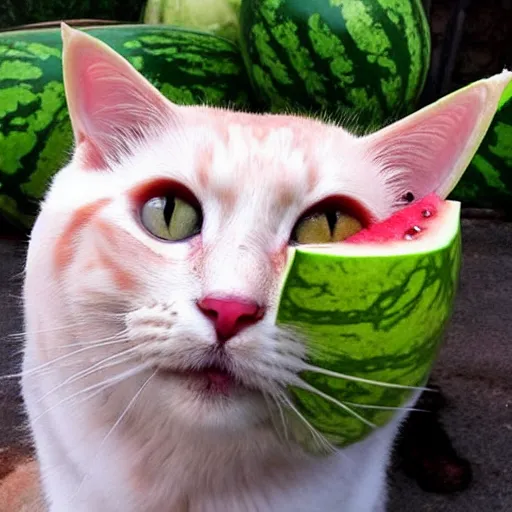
(230, 315)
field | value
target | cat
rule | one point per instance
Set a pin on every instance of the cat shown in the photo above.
(151, 285)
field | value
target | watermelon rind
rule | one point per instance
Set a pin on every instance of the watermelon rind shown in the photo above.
(372, 311)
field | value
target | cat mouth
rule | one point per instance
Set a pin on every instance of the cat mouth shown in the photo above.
(212, 379)
(218, 379)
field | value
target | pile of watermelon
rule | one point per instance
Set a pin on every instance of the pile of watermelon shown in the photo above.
(362, 62)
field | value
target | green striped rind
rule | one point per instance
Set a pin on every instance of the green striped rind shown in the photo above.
(487, 183)
(379, 318)
(189, 67)
(365, 56)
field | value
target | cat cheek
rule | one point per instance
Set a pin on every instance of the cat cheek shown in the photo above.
(65, 248)
(196, 257)
(279, 258)
(123, 279)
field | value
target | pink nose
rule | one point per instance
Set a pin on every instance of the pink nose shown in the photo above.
(230, 315)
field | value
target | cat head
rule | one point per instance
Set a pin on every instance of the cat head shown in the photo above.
(167, 233)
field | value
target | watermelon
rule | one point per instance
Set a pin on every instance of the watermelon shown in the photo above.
(220, 17)
(368, 57)
(487, 182)
(372, 312)
(188, 67)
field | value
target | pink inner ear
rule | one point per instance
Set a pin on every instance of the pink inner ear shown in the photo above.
(110, 103)
(423, 152)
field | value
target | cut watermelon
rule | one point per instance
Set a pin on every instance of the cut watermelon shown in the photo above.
(375, 308)
(410, 223)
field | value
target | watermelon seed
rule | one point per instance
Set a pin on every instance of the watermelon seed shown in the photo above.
(426, 213)
(409, 197)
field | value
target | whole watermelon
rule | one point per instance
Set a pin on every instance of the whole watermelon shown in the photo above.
(189, 67)
(488, 181)
(368, 57)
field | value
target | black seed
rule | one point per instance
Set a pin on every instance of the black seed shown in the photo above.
(409, 197)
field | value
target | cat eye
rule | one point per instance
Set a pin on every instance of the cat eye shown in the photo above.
(324, 227)
(171, 218)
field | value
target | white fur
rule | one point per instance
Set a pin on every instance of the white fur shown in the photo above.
(195, 456)
(151, 441)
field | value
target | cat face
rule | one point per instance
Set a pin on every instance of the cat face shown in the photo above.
(206, 300)
(163, 243)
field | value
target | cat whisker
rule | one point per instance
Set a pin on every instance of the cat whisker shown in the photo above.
(99, 366)
(98, 388)
(111, 431)
(95, 343)
(44, 331)
(36, 370)
(279, 408)
(96, 311)
(304, 385)
(384, 407)
(317, 437)
(110, 314)
(330, 373)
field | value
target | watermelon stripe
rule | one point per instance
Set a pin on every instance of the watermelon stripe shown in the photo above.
(396, 88)
(331, 54)
(293, 77)
(418, 42)
(31, 179)
(378, 318)
(359, 44)
(37, 182)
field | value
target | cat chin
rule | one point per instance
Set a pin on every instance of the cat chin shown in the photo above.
(192, 403)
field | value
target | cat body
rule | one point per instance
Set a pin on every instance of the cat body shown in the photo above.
(144, 393)
(167, 453)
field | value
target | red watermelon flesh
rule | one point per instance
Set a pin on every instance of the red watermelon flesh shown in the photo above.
(409, 223)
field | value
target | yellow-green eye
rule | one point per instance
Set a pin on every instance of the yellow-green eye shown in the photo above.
(171, 218)
(325, 228)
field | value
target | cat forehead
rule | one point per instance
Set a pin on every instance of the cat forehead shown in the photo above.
(272, 137)
(237, 160)
(279, 153)
(270, 157)
(247, 152)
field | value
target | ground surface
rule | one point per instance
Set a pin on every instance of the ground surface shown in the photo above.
(474, 370)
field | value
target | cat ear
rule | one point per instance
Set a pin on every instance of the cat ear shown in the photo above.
(110, 104)
(428, 151)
